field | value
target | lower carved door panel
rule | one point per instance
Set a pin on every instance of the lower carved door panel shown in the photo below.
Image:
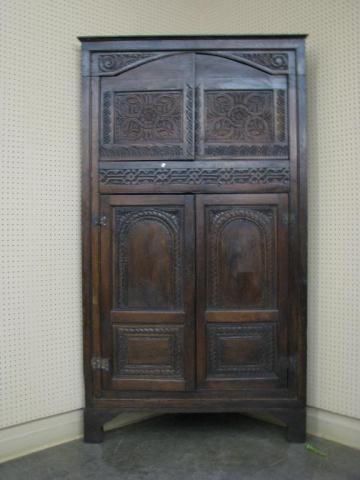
(154, 341)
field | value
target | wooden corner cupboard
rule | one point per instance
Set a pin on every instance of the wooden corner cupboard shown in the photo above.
(194, 227)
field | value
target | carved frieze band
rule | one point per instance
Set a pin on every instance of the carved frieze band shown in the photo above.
(107, 63)
(195, 176)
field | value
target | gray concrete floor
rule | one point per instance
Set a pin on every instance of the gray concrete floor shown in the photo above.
(190, 447)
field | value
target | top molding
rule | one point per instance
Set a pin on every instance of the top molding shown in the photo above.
(273, 44)
(188, 37)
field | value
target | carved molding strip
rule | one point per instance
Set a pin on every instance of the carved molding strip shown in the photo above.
(276, 150)
(281, 108)
(198, 108)
(106, 114)
(149, 151)
(195, 176)
(189, 115)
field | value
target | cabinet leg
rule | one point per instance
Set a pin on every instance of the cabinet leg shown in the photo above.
(295, 421)
(296, 426)
(94, 421)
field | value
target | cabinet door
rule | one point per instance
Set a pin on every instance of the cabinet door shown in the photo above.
(147, 276)
(146, 112)
(241, 110)
(242, 259)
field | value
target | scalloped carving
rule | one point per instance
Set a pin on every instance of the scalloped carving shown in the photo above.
(271, 60)
(113, 62)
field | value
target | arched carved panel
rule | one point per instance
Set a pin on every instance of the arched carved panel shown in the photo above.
(148, 252)
(240, 258)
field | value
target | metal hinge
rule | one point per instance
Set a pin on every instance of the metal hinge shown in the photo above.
(99, 220)
(98, 363)
(292, 362)
(289, 362)
(287, 219)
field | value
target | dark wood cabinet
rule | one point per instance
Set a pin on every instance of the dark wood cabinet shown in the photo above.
(194, 227)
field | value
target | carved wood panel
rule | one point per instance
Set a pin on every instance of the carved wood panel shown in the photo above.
(147, 112)
(241, 351)
(148, 351)
(241, 266)
(148, 116)
(148, 257)
(239, 116)
(241, 112)
(243, 123)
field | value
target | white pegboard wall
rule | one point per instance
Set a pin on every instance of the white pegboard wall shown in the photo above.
(333, 66)
(40, 304)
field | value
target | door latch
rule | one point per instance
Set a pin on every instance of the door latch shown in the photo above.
(99, 363)
(99, 220)
(287, 219)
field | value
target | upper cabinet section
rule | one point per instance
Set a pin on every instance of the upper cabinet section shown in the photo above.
(184, 99)
(147, 107)
(241, 110)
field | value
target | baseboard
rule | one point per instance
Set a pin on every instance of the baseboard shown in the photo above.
(39, 434)
(335, 427)
(47, 432)
(31, 437)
